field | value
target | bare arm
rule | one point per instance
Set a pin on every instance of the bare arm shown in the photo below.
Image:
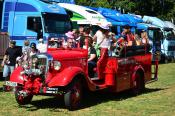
(3, 61)
(95, 38)
(92, 56)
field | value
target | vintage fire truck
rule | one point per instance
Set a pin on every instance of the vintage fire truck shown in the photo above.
(64, 72)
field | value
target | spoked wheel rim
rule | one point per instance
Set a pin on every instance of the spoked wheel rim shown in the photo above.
(21, 99)
(73, 97)
(76, 95)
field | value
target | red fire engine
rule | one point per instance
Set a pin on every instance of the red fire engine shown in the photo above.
(64, 72)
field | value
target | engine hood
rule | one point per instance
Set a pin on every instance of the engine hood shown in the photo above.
(58, 54)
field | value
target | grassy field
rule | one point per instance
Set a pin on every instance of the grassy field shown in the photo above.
(157, 100)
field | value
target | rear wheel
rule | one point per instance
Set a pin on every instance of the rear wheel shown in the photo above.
(73, 96)
(139, 84)
(22, 97)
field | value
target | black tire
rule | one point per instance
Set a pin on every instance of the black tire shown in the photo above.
(21, 99)
(73, 96)
(139, 84)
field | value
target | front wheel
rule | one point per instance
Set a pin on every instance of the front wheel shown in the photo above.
(22, 97)
(73, 96)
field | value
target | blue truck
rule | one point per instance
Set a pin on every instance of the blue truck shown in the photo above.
(154, 34)
(31, 19)
(168, 40)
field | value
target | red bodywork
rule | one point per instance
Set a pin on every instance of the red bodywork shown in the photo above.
(115, 73)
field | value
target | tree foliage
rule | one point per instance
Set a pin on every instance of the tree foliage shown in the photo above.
(164, 9)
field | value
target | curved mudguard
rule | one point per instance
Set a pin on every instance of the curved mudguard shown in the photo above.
(16, 76)
(64, 77)
(135, 70)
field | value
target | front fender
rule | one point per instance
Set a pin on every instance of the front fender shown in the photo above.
(135, 70)
(16, 77)
(64, 77)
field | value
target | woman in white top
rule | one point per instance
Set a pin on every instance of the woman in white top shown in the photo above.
(101, 38)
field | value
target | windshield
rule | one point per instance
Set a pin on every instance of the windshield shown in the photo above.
(168, 34)
(56, 23)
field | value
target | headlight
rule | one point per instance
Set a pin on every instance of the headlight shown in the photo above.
(57, 65)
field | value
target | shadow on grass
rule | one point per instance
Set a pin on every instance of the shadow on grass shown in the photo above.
(1, 89)
(53, 104)
(90, 99)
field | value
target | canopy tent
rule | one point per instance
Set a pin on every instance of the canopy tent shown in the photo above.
(169, 24)
(84, 15)
(133, 18)
(61, 1)
(154, 21)
(145, 26)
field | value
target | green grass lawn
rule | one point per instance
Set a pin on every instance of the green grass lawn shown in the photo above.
(157, 100)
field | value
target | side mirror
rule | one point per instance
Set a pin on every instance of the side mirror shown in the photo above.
(70, 13)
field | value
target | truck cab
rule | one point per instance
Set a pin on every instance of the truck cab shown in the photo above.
(155, 37)
(167, 42)
(33, 19)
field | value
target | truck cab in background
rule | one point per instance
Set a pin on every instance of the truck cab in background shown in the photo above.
(33, 19)
(155, 36)
(168, 40)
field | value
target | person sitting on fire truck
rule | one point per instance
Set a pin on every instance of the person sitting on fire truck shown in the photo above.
(128, 36)
(144, 37)
(92, 56)
(70, 40)
(52, 43)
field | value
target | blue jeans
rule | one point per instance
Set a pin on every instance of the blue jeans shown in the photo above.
(7, 70)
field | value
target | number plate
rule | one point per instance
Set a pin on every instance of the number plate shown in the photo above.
(9, 83)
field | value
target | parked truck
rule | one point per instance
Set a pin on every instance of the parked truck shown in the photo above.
(31, 19)
(155, 36)
(168, 40)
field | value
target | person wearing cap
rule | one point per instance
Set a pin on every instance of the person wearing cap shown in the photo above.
(128, 35)
(9, 60)
(41, 46)
(52, 43)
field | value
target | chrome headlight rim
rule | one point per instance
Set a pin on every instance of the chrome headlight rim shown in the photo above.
(56, 65)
